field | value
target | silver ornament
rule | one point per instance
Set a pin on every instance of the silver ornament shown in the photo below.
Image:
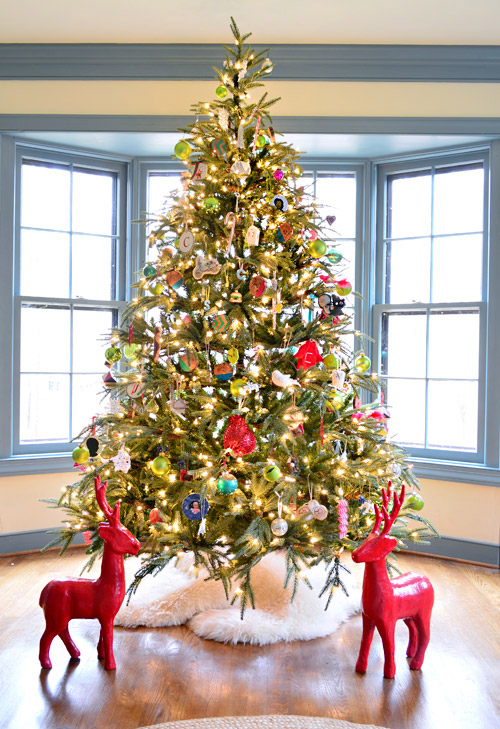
(279, 527)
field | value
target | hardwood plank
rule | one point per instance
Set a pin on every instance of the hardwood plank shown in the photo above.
(167, 674)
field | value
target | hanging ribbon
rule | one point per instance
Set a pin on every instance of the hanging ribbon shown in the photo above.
(321, 430)
(230, 219)
(257, 127)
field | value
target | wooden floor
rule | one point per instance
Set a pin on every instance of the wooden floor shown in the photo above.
(166, 674)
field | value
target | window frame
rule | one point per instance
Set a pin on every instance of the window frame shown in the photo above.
(430, 460)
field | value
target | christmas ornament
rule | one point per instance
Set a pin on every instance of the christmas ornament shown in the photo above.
(331, 361)
(236, 386)
(220, 323)
(343, 287)
(271, 472)
(330, 219)
(178, 406)
(240, 273)
(194, 508)
(252, 236)
(238, 437)
(108, 379)
(278, 175)
(279, 527)
(156, 289)
(395, 469)
(283, 380)
(334, 256)
(415, 502)
(335, 401)
(362, 362)
(261, 141)
(62, 600)
(338, 379)
(81, 454)
(149, 270)
(205, 267)
(308, 355)
(219, 147)
(211, 203)
(221, 92)
(160, 465)
(227, 483)
(154, 516)
(87, 538)
(257, 286)
(294, 415)
(280, 203)
(410, 596)
(223, 371)
(223, 114)
(342, 516)
(175, 279)
(241, 170)
(152, 406)
(185, 244)
(122, 460)
(188, 361)
(285, 232)
(293, 465)
(331, 305)
(182, 150)
(233, 355)
(267, 65)
(93, 446)
(312, 510)
(200, 171)
(317, 248)
(135, 389)
(130, 350)
(113, 354)
(235, 297)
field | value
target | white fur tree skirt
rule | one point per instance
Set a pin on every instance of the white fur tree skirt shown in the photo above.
(176, 596)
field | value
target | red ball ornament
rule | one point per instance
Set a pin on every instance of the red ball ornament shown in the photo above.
(238, 436)
(154, 516)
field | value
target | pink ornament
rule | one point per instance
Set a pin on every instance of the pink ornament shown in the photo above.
(308, 355)
(356, 417)
(62, 600)
(87, 538)
(187, 320)
(278, 175)
(409, 597)
(238, 437)
(342, 515)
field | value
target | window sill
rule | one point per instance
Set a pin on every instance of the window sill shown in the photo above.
(35, 464)
(455, 471)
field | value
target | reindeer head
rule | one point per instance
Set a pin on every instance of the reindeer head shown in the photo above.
(377, 545)
(113, 532)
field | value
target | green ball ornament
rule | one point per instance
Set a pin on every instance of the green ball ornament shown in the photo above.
(331, 361)
(157, 289)
(221, 92)
(272, 472)
(236, 387)
(113, 354)
(317, 248)
(149, 270)
(81, 454)
(130, 350)
(362, 362)
(335, 401)
(261, 141)
(227, 483)
(211, 203)
(182, 150)
(160, 465)
(415, 502)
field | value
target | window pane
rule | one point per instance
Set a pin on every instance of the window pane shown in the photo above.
(91, 330)
(94, 267)
(94, 202)
(458, 268)
(44, 263)
(404, 344)
(458, 200)
(88, 392)
(45, 339)
(160, 185)
(337, 195)
(44, 408)
(453, 415)
(45, 196)
(408, 271)
(406, 401)
(409, 205)
(454, 344)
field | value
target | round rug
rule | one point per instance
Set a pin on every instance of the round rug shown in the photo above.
(263, 722)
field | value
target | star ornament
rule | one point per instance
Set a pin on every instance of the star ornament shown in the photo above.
(122, 460)
(308, 355)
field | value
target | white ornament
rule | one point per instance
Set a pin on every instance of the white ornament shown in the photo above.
(186, 242)
(252, 236)
(283, 380)
(279, 527)
(205, 267)
(135, 389)
(243, 71)
(224, 118)
(242, 170)
(338, 378)
(122, 460)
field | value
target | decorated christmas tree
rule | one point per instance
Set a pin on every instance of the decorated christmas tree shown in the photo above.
(236, 423)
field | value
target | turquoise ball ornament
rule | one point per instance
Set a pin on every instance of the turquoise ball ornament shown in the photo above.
(81, 454)
(317, 248)
(182, 150)
(334, 256)
(362, 362)
(272, 472)
(415, 502)
(113, 354)
(221, 92)
(227, 483)
(211, 203)
(160, 465)
(149, 270)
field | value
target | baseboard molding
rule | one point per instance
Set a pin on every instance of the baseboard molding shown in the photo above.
(463, 549)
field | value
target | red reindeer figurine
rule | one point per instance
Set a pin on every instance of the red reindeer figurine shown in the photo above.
(408, 597)
(62, 600)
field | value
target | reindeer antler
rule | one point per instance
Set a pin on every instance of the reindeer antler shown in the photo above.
(100, 492)
(397, 503)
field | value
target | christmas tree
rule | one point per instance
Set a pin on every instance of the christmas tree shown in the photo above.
(235, 424)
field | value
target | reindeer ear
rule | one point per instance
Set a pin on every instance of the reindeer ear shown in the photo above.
(104, 530)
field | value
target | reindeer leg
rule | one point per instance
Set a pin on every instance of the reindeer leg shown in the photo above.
(366, 641)
(107, 638)
(68, 642)
(386, 631)
(45, 643)
(412, 643)
(424, 634)
(100, 646)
